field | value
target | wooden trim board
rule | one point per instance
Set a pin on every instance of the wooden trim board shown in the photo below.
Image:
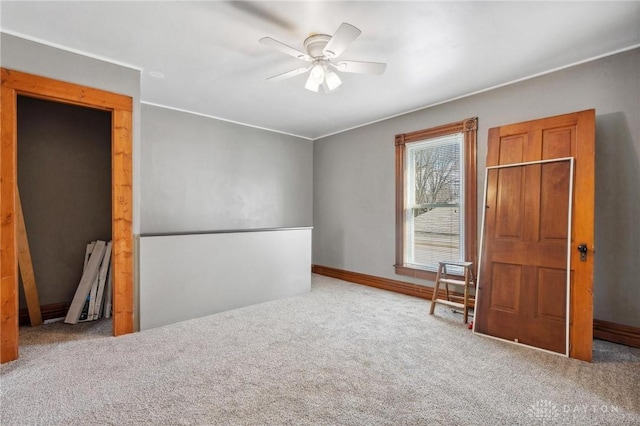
(616, 333)
(51, 311)
(16, 83)
(25, 266)
(122, 219)
(603, 330)
(8, 240)
(423, 292)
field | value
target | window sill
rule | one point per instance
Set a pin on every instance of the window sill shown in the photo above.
(423, 274)
(409, 271)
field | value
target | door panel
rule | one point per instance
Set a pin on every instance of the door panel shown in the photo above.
(505, 294)
(551, 281)
(522, 293)
(509, 198)
(554, 190)
(512, 149)
(557, 143)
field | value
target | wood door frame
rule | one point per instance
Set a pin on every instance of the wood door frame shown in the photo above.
(16, 83)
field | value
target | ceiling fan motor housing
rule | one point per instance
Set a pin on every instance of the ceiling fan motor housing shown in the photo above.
(314, 45)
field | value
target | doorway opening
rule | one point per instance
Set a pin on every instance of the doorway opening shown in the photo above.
(64, 185)
(15, 84)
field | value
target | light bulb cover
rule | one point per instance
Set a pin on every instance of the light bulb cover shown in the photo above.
(332, 79)
(312, 83)
(318, 73)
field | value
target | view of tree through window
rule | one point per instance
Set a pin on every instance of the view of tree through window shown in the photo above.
(435, 185)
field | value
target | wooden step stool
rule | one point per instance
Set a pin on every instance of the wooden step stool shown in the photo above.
(468, 282)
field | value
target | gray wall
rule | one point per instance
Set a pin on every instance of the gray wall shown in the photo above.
(202, 174)
(64, 178)
(354, 191)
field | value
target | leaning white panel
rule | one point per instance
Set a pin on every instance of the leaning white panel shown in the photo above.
(571, 161)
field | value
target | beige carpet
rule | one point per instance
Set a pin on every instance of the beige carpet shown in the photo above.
(342, 355)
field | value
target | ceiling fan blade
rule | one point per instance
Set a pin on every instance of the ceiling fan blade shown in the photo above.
(361, 67)
(289, 74)
(344, 35)
(275, 44)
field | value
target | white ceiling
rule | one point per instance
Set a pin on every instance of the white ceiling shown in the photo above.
(213, 64)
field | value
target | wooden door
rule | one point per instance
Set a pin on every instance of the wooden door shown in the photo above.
(523, 270)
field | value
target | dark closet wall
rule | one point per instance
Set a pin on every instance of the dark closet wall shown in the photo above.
(64, 179)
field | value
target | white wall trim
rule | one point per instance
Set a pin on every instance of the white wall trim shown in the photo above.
(70, 49)
(224, 119)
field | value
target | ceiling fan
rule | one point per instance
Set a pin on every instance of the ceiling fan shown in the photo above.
(322, 51)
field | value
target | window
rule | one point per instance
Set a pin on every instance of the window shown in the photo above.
(434, 214)
(435, 197)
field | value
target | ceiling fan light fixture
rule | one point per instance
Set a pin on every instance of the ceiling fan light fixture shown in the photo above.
(317, 72)
(332, 79)
(321, 50)
(313, 83)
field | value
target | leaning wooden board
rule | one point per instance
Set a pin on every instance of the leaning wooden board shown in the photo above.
(86, 282)
(102, 280)
(26, 267)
